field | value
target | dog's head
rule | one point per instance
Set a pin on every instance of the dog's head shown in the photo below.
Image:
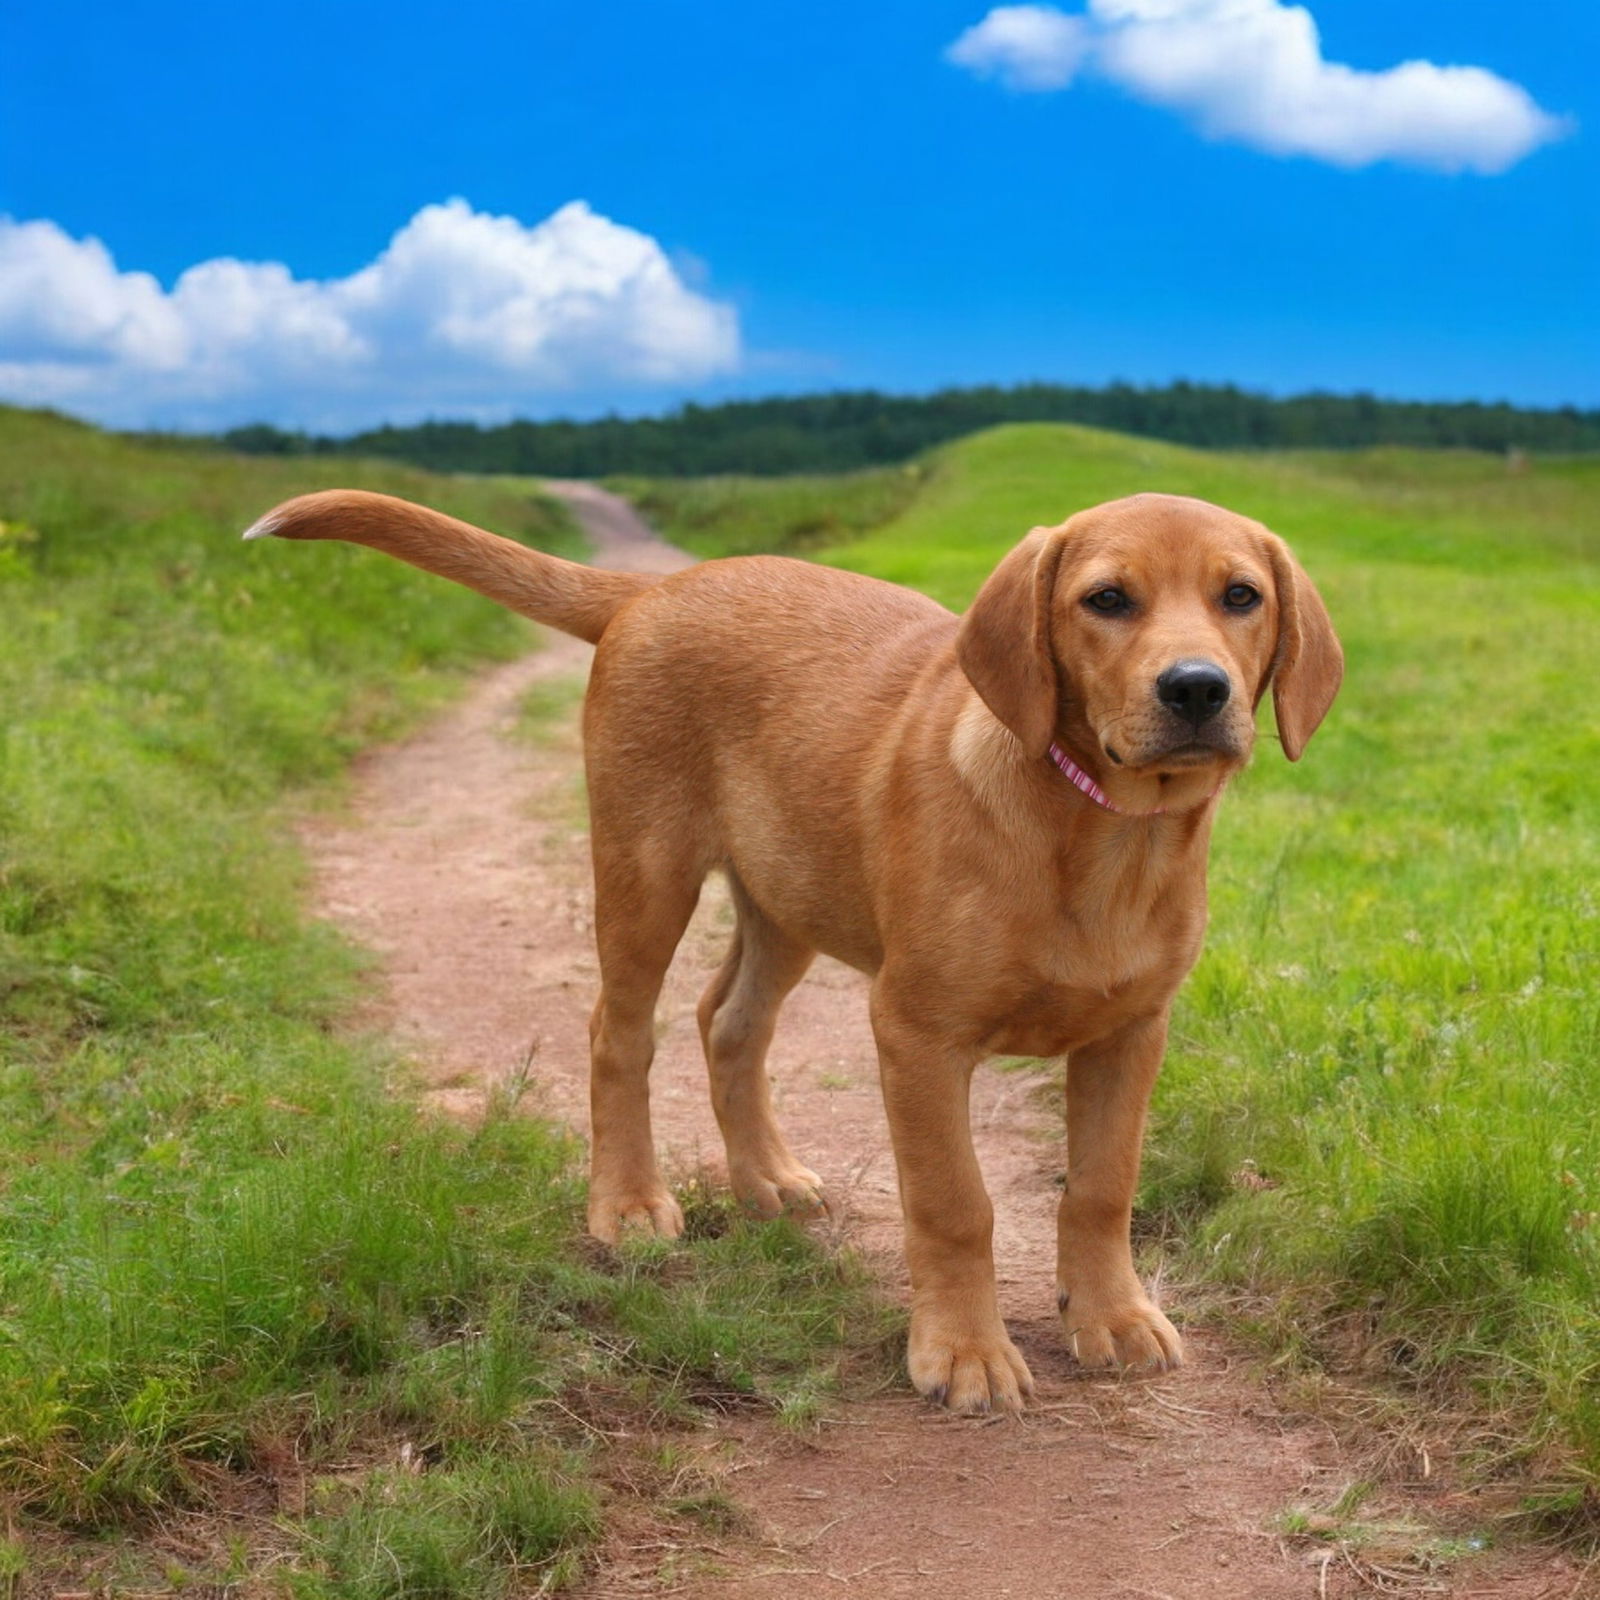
(1141, 635)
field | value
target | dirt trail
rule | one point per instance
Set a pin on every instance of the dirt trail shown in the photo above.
(464, 866)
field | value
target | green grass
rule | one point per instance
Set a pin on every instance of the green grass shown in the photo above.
(232, 1254)
(732, 516)
(451, 1534)
(1381, 1107)
(547, 714)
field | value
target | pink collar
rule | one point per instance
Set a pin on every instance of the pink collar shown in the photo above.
(1080, 779)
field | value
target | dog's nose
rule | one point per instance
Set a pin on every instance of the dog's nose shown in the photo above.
(1194, 690)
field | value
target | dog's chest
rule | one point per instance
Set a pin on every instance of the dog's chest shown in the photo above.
(1049, 1019)
(1089, 970)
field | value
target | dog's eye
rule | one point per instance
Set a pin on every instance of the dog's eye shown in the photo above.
(1107, 600)
(1241, 596)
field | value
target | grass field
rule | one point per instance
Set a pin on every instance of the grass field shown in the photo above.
(246, 1292)
(1380, 1117)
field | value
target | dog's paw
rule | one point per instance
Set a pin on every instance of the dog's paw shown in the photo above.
(793, 1190)
(974, 1374)
(654, 1211)
(1128, 1333)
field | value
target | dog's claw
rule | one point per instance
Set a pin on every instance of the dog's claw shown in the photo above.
(974, 1375)
(797, 1192)
(659, 1214)
(1133, 1336)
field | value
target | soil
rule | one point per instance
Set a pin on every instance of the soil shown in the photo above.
(463, 864)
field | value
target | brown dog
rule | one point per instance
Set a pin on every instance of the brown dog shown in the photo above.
(1002, 818)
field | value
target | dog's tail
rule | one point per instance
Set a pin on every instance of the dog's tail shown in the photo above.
(563, 594)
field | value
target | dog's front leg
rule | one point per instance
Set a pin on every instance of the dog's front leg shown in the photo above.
(1108, 1317)
(959, 1353)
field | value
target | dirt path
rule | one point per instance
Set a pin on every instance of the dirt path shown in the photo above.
(464, 866)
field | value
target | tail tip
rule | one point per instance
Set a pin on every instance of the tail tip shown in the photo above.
(263, 527)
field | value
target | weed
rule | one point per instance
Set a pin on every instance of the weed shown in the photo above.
(464, 1534)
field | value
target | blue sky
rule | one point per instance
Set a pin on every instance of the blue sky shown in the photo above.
(780, 199)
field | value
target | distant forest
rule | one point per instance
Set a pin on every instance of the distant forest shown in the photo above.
(838, 432)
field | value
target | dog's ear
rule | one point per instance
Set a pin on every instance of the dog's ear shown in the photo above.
(1004, 642)
(1309, 665)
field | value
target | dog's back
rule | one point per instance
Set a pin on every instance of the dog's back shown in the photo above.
(746, 710)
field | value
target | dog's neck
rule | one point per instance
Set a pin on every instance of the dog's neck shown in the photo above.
(992, 763)
(1134, 792)
(1079, 779)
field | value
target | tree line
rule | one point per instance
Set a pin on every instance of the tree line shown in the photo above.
(863, 428)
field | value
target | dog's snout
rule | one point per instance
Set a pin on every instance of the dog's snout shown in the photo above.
(1194, 690)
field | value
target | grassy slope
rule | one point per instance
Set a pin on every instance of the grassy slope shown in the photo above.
(731, 516)
(230, 1256)
(1381, 1101)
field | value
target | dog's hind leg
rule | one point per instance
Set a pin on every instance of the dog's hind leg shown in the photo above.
(738, 1013)
(644, 896)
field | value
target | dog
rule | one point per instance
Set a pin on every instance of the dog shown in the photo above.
(1002, 818)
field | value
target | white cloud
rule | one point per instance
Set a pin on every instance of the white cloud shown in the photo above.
(1025, 47)
(1253, 72)
(463, 313)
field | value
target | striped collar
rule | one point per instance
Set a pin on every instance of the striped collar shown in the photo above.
(1080, 779)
